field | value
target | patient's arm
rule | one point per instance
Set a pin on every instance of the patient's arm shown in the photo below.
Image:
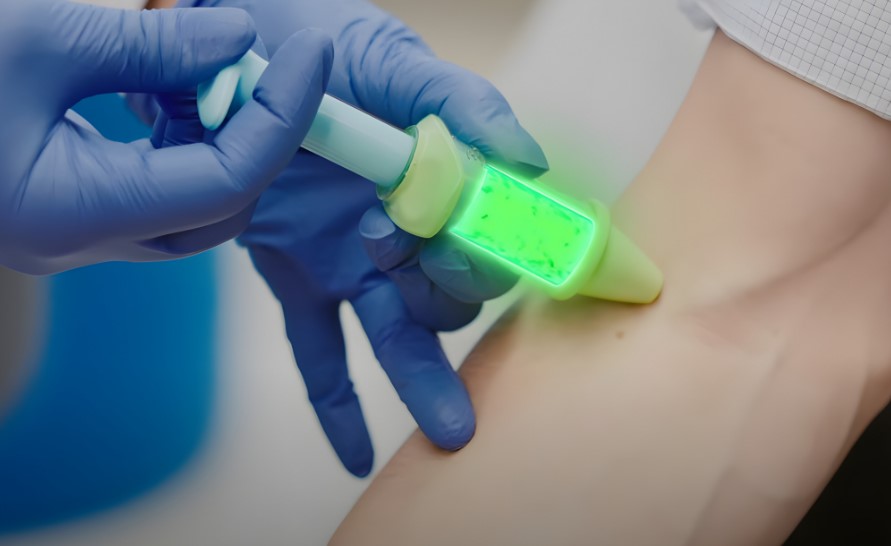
(716, 415)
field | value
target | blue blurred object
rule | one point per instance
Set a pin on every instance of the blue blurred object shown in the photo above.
(123, 392)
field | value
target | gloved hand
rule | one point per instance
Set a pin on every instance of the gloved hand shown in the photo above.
(69, 197)
(306, 238)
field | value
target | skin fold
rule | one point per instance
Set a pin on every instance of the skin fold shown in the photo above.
(716, 415)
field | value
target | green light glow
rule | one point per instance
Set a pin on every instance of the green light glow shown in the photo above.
(522, 225)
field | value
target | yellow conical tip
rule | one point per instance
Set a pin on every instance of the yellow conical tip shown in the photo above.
(624, 274)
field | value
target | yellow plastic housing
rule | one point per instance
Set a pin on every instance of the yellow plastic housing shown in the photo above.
(565, 246)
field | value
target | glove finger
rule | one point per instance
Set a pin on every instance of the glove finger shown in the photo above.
(418, 84)
(387, 245)
(185, 187)
(430, 304)
(181, 108)
(183, 125)
(179, 132)
(467, 277)
(197, 240)
(262, 137)
(316, 337)
(396, 253)
(477, 114)
(413, 359)
(108, 50)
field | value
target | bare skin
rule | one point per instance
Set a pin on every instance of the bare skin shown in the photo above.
(717, 415)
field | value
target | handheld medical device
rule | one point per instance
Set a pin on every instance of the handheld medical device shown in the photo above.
(432, 184)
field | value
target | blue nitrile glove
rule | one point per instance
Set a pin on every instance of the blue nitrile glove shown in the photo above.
(69, 197)
(307, 241)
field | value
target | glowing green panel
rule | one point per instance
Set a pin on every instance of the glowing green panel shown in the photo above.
(521, 224)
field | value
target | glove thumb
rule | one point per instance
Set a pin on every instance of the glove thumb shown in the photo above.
(107, 50)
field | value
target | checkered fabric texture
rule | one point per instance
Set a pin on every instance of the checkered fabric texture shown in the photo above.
(842, 46)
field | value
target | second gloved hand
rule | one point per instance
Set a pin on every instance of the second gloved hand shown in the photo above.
(314, 229)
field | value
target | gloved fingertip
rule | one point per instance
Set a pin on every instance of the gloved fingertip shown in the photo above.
(314, 40)
(348, 435)
(301, 65)
(443, 410)
(513, 146)
(386, 245)
(480, 116)
(339, 413)
(445, 257)
(376, 225)
(259, 47)
(456, 427)
(218, 32)
(467, 278)
(361, 466)
(531, 155)
(324, 39)
(353, 448)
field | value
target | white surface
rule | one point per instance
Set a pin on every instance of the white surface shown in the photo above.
(598, 81)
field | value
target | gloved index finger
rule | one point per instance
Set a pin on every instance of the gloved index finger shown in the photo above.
(260, 140)
(418, 84)
(478, 115)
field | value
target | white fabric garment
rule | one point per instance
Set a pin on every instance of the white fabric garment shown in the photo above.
(842, 46)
